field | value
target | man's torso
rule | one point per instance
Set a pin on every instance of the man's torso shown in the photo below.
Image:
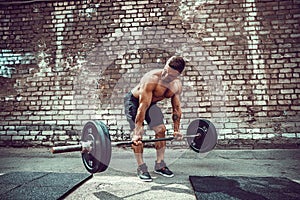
(161, 90)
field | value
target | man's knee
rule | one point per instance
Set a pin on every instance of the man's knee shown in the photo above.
(160, 132)
(138, 148)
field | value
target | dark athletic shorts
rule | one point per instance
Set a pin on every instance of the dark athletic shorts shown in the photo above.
(154, 116)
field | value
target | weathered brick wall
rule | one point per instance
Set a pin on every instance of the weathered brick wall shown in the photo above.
(66, 62)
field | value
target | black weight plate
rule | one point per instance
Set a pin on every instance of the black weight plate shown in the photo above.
(208, 139)
(106, 156)
(98, 159)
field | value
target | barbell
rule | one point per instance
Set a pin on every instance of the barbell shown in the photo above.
(201, 136)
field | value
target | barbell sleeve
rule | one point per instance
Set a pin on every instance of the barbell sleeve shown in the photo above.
(65, 149)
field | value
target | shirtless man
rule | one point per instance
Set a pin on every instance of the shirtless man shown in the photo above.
(140, 105)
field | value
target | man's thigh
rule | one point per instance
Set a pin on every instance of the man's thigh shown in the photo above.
(154, 117)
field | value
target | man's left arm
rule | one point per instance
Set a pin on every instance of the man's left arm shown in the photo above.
(176, 114)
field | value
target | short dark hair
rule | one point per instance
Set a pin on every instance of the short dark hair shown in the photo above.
(177, 63)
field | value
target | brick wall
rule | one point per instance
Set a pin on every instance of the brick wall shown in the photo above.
(66, 62)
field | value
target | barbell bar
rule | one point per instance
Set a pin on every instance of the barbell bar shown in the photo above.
(88, 144)
(95, 141)
(128, 143)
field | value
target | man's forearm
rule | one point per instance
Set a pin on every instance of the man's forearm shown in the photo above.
(140, 117)
(176, 120)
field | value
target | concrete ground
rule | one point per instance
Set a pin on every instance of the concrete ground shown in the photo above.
(119, 181)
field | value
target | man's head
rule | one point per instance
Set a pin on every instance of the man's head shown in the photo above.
(173, 69)
(177, 63)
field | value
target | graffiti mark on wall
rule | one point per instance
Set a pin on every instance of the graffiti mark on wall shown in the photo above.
(8, 58)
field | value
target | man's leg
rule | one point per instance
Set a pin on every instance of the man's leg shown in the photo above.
(138, 153)
(160, 147)
(131, 106)
(155, 120)
(160, 165)
(142, 170)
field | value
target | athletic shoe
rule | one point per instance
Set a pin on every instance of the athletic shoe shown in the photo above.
(143, 174)
(162, 169)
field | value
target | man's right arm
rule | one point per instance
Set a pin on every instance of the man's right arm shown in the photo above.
(145, 99)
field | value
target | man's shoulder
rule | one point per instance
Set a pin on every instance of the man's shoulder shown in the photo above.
(176, 86)
(177, 82)
(152, 76)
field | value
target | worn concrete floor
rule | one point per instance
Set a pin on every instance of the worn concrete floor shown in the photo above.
(119, 181)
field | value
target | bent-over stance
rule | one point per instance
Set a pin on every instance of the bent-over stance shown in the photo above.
(140, 105)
